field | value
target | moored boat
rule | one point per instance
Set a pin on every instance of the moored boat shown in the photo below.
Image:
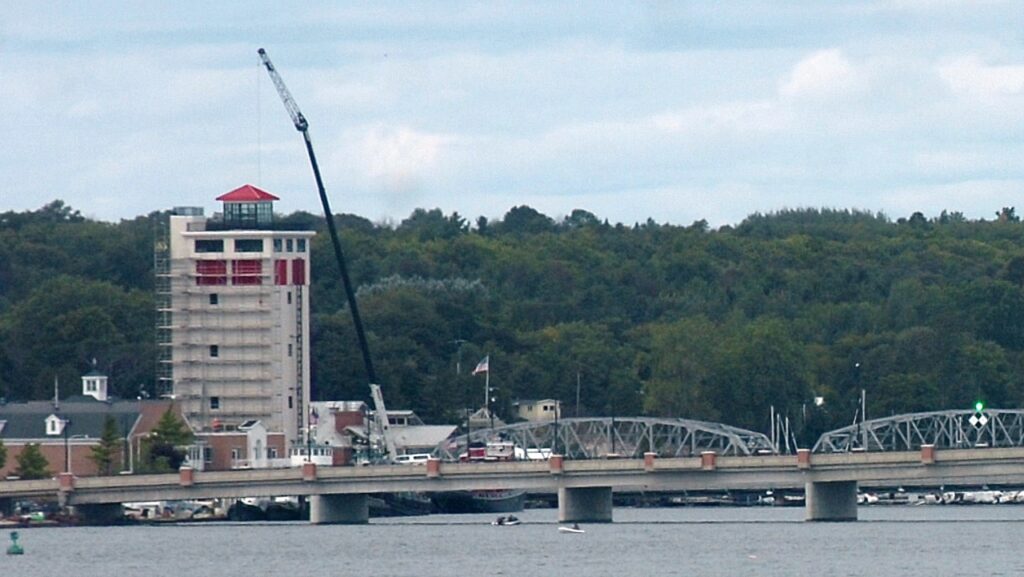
(487, 501)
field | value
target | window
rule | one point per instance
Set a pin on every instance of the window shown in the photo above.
(278, 245)
(289, 349)
(207, 454)
(300, 245)
(214, 351)
(209, 245)
(288, 243)
(299, 271)
(289, 401)
(289, 297)
(214, 402)
(214, 299)
(248, 245)
(236, 454)
(271, 452)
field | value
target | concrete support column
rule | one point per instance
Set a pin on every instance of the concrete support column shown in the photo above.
(832, 501)
(100, 513)
(339, 509)
(585, 504)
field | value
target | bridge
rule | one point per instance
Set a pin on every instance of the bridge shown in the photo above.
(584, 486)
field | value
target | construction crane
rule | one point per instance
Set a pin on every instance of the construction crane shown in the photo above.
(303, 126)
(380, 415)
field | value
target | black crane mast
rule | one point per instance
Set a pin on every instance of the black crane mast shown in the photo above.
(303, 126)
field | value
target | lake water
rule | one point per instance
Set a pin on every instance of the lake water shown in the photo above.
(887, 541)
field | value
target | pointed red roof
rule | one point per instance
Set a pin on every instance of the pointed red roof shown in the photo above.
(247, 193)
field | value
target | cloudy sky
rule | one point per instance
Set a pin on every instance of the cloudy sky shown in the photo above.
(677, 111)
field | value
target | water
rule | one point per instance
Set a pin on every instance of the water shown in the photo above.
(888, 541)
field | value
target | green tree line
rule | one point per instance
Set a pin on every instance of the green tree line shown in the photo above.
(654, 319)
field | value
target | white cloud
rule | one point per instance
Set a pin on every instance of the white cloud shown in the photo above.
(970, 77)
(823, 73)
(399, 158)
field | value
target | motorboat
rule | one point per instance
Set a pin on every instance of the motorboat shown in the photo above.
(573, 529)
(509, 521)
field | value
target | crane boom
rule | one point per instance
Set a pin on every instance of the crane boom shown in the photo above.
(380, 414)
(302, 126)
(289, 103)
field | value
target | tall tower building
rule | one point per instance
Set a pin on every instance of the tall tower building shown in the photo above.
(233, 316)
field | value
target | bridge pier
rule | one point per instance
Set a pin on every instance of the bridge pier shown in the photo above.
(585, 504)
(341, 509)
(831, 501)
(100, 513)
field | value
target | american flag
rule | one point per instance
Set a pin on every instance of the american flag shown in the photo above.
(483, 366)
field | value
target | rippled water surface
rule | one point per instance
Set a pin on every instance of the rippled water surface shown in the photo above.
(887, 541)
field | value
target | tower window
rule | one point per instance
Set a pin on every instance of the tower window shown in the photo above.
(277, 245)
(214, 299)
(289, 349)
(214, 402)
(248, 245)
(214, 351)
(300, 245)
(288, 243)
(209, 245)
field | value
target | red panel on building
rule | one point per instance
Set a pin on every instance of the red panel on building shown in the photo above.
(247, 272)
(280, 272)
(211, 272)
(299, 272)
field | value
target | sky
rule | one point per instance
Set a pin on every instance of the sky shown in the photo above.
(674, 111)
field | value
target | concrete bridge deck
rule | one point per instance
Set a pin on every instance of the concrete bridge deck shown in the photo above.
(925, 468)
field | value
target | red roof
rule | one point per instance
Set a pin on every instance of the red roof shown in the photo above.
(247, 193)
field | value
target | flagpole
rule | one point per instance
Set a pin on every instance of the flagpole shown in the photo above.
(487, 390)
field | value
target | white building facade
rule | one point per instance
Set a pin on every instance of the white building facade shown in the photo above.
(233, 316)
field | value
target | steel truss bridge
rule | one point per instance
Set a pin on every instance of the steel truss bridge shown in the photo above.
(953, 429)
(631, 437)
(595, 438)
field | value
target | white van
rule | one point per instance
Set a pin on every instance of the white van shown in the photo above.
(412, 459)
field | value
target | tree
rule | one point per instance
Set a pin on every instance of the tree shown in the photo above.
(109, 448)
(32, 464)
(162, 450)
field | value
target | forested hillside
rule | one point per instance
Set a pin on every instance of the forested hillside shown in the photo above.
(648, 319)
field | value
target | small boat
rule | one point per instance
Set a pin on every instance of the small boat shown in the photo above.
(573, 529)
(509, 521)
